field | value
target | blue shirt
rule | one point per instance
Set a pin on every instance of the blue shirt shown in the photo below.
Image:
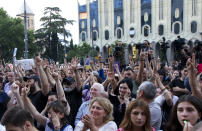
(83, 110)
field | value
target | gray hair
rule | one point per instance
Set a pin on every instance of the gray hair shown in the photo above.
(149, 89)
(100, 86)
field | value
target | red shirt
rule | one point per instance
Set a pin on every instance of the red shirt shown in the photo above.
(199, 67)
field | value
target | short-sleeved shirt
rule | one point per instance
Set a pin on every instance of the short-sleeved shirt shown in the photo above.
(177, 82)
(39, 100)
(74, 98)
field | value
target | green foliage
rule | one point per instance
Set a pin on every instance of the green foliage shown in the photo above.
(12, 36)
(80, 51)
(47, 36)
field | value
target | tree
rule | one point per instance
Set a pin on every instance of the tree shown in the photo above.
(12, 36)
(47, 37)
(80, 51)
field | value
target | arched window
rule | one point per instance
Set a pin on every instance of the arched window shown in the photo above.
(132, 32)
(94, 35)
(193, 27)
(83, 36)
(119, 34)
(177, 28)
(97, 49)
(146, 31)
(161, 30)
(106, 35)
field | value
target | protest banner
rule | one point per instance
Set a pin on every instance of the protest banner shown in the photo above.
(26, 63)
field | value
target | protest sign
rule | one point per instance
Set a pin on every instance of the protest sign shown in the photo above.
(26, 63)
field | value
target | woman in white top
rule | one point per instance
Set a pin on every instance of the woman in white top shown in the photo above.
(100, 118)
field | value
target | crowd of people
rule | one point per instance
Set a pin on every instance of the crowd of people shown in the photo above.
(146, 95)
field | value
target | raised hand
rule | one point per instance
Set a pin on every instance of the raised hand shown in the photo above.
(189, 64)
(111, 59)
(55, 120)
(187, 126)
(146, 55)
(117, 67)
(88, 121)
(142, 55)
(74, 63)
(100, 58)
(151, 53)
(110, 76)
(38, 61)
(15, 89)
(55, 75)
(24, 92)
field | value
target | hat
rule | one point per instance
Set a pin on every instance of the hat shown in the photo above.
(35, 78)
(68, 80)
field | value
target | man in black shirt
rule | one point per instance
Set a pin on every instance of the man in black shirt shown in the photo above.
(37, 95)
(177, 85)
(73, 91)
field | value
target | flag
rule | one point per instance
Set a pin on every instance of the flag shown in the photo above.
(134, 52)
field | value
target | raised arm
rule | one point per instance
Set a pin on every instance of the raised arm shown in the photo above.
(141, 67)
(118, 72)
(196, 91)
(153, 61)
(30, 107)
(92, 65)
(61, 94)
(49, 76)
(42, 76)
(111, 79)
(74, 64)
(148, 65)
(111, 62)
(166, 93)
(131, 61)
(16, 93)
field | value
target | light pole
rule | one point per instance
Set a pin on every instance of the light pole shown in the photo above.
(26, 39)
(65, 50)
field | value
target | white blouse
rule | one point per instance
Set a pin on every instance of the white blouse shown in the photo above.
(109, 126)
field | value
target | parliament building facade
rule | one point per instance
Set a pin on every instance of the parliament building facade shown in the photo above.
(102, 22)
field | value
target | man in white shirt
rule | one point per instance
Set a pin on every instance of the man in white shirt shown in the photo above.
(11, 79)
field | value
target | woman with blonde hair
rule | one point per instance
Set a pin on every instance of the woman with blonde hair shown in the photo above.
(100, 117)
(137, 117)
